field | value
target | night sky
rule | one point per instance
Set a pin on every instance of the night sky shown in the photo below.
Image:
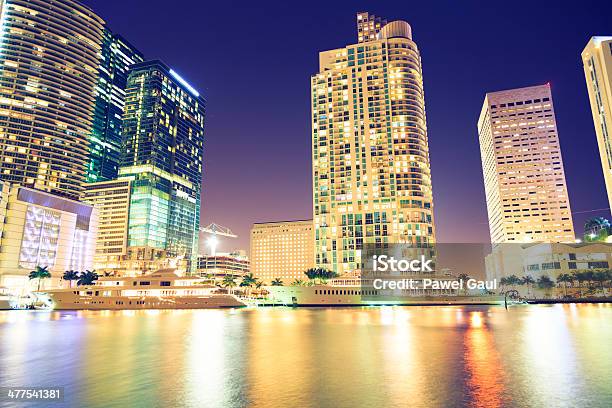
(252, 61)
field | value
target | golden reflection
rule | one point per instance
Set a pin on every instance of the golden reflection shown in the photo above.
(483, 364)
(476, 320)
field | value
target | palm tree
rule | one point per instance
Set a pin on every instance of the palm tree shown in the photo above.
(320, 274)
(297, 282)
(579, 277)
(87, 278)
(70, 276)
(601, 277)
(277, 282)
(514, 280)
(463, 277)
(565, 278)
(528, 280)
(545, 283)
(39, 273)
(258, 284)
(229, 282)
(589, 277)
(248, 280)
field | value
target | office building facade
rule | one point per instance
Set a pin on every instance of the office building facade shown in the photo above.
(49, 57)
(112, 201)
(117, 55)
(163, 131)
(371, 170)
(526, 193)
(282, 250)
(597, 61)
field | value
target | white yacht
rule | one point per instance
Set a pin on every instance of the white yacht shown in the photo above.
(163, 289)
(6, 300)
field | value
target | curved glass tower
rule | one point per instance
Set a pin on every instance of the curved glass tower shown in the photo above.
(49, 54)
(371, 173)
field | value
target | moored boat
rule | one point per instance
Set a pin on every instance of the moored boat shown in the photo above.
(163, 289)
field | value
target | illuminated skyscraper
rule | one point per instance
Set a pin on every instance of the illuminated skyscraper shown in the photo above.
(371, 173)
(163, 130)
(527, 198)
(49, 57)
(597, 60)
(106, 143)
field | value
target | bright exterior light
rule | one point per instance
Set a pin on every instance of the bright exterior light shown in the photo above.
(592, 235)
(212, 244)
(578, 240)
(184, 83)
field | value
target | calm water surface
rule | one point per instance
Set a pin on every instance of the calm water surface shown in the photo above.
(529, 356)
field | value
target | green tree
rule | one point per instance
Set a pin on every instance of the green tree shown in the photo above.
(229, 282)
(70, 276)
(87, 278)
(545, 283)
(528, 281)
(601, 277)
(277, 282)
(464, 277)
(589, 276)
(297, 282)
(320, 274)
(565, 278)
(248, 280)
(39, 273)
(579, 277)
(514, 281)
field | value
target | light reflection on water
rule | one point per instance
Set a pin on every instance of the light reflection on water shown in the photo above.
(535, 356)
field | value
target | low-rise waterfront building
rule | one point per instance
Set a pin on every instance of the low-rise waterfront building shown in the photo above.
(550, 259)
(283, 250)
(218, 266)
(42, 229)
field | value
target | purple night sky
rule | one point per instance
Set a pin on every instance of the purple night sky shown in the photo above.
(252, 62)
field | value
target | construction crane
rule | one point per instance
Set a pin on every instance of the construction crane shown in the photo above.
(216, 230)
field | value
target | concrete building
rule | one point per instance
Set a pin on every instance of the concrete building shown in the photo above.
(550, 259)
(112, 200)
(49, 56)
(218, 266)
(597, 61)
(526, 193)
(283, 250)
(41, 229)
(371, 171)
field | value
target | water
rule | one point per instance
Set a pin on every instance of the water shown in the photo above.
(529, 356)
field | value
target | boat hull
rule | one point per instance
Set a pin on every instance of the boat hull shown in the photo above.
(311, 296)
(140, 303)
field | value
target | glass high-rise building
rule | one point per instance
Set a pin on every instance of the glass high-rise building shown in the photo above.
(371, 172)
(117, 55)
(163, 131)
(49, 57)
